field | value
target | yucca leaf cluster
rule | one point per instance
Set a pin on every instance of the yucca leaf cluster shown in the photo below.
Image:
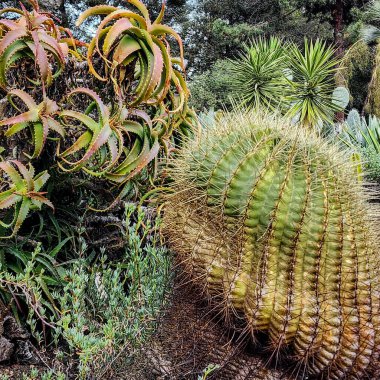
(283, 77)
(273, 226)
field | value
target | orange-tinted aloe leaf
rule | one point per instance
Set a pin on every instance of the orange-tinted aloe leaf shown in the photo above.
(160, 16)
(158, 30)
(127, 46)
(15, 177)
(29, 116)
(142, 8)
(94, 11)
(11, 37)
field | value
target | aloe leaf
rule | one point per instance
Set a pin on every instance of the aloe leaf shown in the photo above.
(12, 172)
(15, 129)
(90, 123)
(26, 174)
(10, 37)
(39, 138)
(82, 142)
(24, 96)
(142, 8)
(11, 200)
(21, 215)
(114, 33)
(158, 30)
(40, 180)
(94, 11)
(127, 46)
(29, 116)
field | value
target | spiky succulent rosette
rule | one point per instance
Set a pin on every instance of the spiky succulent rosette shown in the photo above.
(272, 224)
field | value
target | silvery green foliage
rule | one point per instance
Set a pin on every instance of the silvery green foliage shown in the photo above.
(363, 137)
(110, 308)
(341, 97)
(353, 118)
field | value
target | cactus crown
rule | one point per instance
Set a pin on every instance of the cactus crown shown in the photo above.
(271, 221)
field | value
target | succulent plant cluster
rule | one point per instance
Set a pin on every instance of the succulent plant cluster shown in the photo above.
(112, 122)
(272, 224)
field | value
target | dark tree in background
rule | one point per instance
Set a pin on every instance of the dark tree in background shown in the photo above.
(338, 13)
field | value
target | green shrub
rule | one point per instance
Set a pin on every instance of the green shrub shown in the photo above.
(212, 89)
(109, 308)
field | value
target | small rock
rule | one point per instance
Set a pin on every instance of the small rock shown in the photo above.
(24, 353)
(12, 330)
(6, 349)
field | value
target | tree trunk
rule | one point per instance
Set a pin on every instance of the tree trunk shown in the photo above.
(338, 24)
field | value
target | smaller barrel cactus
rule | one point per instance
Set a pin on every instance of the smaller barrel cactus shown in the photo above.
(272, 225)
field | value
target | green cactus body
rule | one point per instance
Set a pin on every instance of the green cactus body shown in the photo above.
(271, 223)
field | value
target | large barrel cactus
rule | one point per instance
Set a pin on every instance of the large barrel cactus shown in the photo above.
(273, 226)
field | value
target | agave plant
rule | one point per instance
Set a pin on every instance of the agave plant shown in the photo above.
(21, 191)
(259, 76)
(363, 138)
(135, 52)
(33, 35)
(40, 117)
(360, 133)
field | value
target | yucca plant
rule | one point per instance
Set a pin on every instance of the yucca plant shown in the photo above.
(312, 85)
(272, 225)
(283, 78)
(260, 74)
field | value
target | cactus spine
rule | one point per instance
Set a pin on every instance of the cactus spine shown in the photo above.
(271, 222)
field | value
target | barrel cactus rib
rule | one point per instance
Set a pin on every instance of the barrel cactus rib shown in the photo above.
(294, 299)
(273, 226)
(285, 303)
(264, 294)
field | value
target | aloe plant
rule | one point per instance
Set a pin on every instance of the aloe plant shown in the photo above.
(41, 117)
(135, 48)
(33, 35)
(273, 227)
(96, 135)
(113, 146)
(21, 191)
